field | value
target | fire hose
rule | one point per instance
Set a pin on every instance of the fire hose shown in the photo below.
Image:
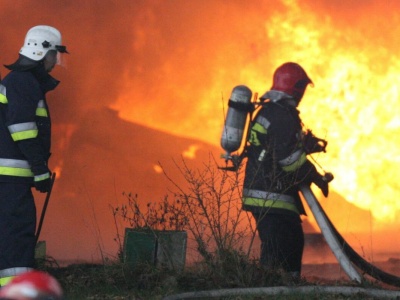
(345, 255)
(312, 291)
(360, 262)
(329, 234)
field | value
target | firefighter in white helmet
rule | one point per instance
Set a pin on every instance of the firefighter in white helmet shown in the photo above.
(276, 165)
(25, 135)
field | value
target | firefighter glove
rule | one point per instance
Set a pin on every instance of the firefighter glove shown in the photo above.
(43, 182)
(322, 183)
(42, 177)
(312, 144)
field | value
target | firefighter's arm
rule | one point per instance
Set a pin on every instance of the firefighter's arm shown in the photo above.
(33, 152)
(313, 144)
(308, 173)
(21, 122)
(304, 171)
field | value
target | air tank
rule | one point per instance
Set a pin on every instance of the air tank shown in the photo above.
(236, 118)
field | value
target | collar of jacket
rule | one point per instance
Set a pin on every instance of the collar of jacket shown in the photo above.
(46, 81)
(278, 96)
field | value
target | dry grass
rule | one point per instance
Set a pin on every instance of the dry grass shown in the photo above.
(207, 208)
(144, 281)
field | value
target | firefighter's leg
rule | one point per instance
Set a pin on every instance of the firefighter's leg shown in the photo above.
(17, 234)
(292, 245)
(282, 242)
(267, 231)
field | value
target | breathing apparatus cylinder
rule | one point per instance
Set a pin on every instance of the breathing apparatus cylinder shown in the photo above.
(236, 120)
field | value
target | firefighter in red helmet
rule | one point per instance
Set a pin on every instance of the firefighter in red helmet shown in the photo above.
(277, 163)
(291, 79)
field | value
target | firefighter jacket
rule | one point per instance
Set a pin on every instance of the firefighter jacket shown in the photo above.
(25, 125)
(276, 160)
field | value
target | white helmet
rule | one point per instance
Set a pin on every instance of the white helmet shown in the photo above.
(41, 39)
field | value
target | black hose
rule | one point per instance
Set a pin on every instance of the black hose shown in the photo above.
(360, 262)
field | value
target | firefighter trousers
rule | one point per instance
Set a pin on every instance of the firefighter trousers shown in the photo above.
(17, 228)
(282, 241)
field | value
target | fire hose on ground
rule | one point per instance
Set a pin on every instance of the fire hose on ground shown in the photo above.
(353, 256)
(329, 234)
(288, 291)
(344, 253)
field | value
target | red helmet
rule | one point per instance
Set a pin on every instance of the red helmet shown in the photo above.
(32, 285)
(291, 79)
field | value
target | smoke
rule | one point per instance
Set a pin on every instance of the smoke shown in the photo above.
(98, 34)
(159, 57)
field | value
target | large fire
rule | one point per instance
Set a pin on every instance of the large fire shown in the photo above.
(171, 65)
(352, 60)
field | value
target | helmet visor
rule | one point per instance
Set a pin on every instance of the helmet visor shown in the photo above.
(62, 59)
(61, 48)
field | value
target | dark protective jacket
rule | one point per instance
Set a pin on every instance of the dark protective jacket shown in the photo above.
(277, 161)
(25, 124)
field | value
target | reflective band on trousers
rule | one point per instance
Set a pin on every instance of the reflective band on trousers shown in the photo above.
(15, 167)
(13, 271)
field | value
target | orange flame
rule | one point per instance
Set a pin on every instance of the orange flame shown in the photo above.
(353, 105)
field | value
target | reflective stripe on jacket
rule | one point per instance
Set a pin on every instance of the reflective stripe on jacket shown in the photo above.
(294, 161)
(25, 124)
(264, 199)
(15, 167)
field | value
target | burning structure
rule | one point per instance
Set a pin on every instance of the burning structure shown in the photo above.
(169, 66)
